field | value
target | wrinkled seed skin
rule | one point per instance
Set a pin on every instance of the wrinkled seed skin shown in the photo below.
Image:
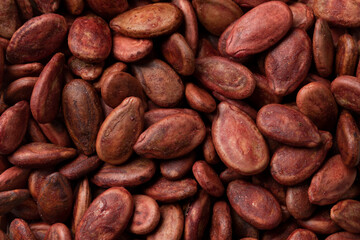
(58, 231)
(82, 113)
(172, 137)
(55, 200)
(171, 224)
(80, 167)
(338, 12)
(19, 229)
(89, 39)
(295, 51)
(302, 234)
(148, 21)
(247, 152)
(297, 202)
(346, 55)
(46, 96)
(11, 199)
(160, 82)
(208, 179)
(348, 138)
(292, 165)
(221, 228)
(86, 71)
(346, 214)
(146, 215)
(323, 48)
(108, 9)
(133, 173)
(331, 181)
(252, 34)
(164, 190)
(40, 155)
(13, 124)
(19, 90)
(288, 126)
(254, 204)
(39, 229)
(231, 79)
(303, 16)
(346, 90)
(45, 33)
(107, 216)
(120, 130)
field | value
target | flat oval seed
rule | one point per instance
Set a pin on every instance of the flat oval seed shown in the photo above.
(247, 152)
(221, 224)
(120, 130)
(175, 169)
(346, 214)
(346, 55)
(320, 222)
(297, 202)
(107, 216)
(20, 90)
(148, 21)
(254, 204)
(199, 99)
(86, 71)
(39, 31)
(346, 90)
(19, 229)
(80, 167)
(343, 236)
(82, 201)
(208, 179)
(302, 234)
(11, 199)
(108, 9)
(58, 231)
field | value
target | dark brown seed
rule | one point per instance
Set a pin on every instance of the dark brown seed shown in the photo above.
(19, 229)
(40, 155)
(347, 215)
(56, 132)
(36, 180)
(11, 199)
(171, 191)
(9, 18)
(46, 95)
(13, 178)
(116, 67)
(19, 90)
(75, 7)
(55, 200)
(107, 216)
(34, 132)
(320, 222)
(297, 202)
(346, 90)
(47, 6)
(80, 167)
(13, 124)
(82, 113)
(86, 71)
(221, 228)
(281, 232)
(208, 179)
(39, 230)
(39, 31)
(133, 173)
(266, 181)
(58, 231)
(108, 9)
(26, 210)
(254, 204)
(16, 71)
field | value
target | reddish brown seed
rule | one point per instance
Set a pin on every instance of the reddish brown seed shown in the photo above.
(89, 39)
(107, 216)
(55, 200)
(47, 6)
(4, 43)
(133, 173)
(40, 155)
(281, 232)
(58, 231)
(11, 199)
(46, 95)
(190, 21)
(266, 181)
(221, 228)
(229, 175)
(331, 181)
(16, 71)
(75, 7)
(199, 99)
(19, 229)
(2, 65)
(39, 31)
(108, 9)
(320, 222)
(208, 179)
(172, 137)
(34, 132)
(288, 126)
(13, 178)
(177, 168)
(39, 229)
(206, 49)
(295, 50)
(80, 167)
(146, 215)
(346, 214)
(166, 92)
(82, 201)
(254, 204)
(82, 113)
(226, 77)
(197, 217)
(208, 149)
(343, 236)
(116, 67)
(9, 18)
(127, 49)
(4, 164)
(348, 138)
(338, 12)
(316, 101)
(346, 55)
(155, 115)
(164, 190)
(86, 71)
(26, 210)
(171, 223)
(297, 202)
(148, 21)
(315, 78)
(3, 236)
(56, 132)
(303, 16)
(323, 48)
(346, 90)
(302, 234)
(13, 124)
(120, 130)
(247, 152)
(250, 34)
(117, 86)
(178, 54)
(36, 180)
(19, 90)
(241, 228)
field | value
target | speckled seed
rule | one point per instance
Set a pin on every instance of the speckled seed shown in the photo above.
(346, 55)
(221, 225)
(346, 90)
(346, 214)
(302, 234)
